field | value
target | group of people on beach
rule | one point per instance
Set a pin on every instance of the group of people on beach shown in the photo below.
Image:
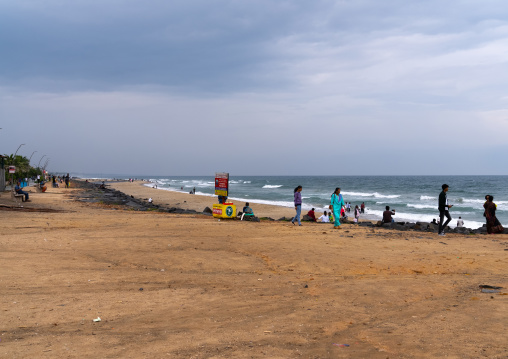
(493, 224)
(338, 209)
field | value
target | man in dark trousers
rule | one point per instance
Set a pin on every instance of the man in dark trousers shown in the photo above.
(443, 210)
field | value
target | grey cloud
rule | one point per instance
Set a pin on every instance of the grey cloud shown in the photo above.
(206, 46)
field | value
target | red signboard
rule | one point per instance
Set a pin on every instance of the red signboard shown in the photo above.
(221, 184)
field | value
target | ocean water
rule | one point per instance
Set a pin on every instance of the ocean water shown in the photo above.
(415, 198)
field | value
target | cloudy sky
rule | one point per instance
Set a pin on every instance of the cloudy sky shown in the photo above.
(256, 87)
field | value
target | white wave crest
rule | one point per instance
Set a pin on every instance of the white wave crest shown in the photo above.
(422, 206)
(375, 195)
(272, 186)
(426, 198)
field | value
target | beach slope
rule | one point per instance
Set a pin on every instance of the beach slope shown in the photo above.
(190, 286)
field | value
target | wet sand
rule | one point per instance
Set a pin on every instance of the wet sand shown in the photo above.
(190, 286)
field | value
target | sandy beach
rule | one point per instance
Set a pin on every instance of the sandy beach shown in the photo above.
(195, 202)
(189, 286)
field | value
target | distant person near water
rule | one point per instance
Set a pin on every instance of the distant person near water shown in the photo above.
(324, 218)
(312, 215)
(387, 215)
(348, 206)
(362, 207)
(298, 205)
(247, 210)
(357, 214)
(444, 207)
(460, 222)
(493, 224)
(336, 204)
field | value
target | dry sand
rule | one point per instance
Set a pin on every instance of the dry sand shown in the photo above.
(190, 286)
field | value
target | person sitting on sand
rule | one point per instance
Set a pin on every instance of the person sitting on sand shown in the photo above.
(493, 224)
(312, 215)
(387, 215)
(247, 210)
(343, 213)
(324, 218)
(330, 216)
(19, 190)
(42, 186)
(434, 221)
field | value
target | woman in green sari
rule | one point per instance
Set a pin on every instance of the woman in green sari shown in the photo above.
(336, 203)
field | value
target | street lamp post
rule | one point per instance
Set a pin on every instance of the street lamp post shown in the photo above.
(29, 165)
(31, 157)
(17, 151)
(40, 161)
(13, 161)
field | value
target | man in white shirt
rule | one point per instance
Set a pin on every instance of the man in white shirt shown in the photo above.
(460, 222)
(324, 218)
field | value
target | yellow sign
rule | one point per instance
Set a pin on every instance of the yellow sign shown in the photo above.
(227, 210)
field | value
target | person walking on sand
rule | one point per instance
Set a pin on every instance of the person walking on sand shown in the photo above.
(298, 205)
(444, 208)
(336, 204)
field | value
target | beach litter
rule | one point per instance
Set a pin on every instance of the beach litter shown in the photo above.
(490, 289)
(98, 319)
(341, 345)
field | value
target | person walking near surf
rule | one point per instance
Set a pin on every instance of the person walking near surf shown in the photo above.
(336, 204)
(298, 205)
(444, 207)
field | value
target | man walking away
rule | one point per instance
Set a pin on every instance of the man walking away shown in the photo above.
(444, 210)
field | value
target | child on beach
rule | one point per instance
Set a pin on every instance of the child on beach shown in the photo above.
(357, 214)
